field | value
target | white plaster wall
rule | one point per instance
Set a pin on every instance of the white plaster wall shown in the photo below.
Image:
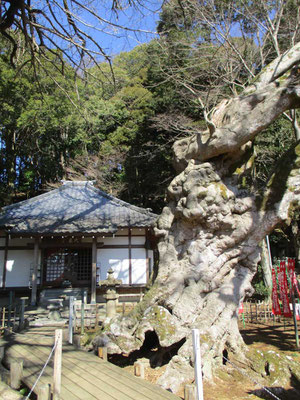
(138, 240)
(115, 240)
(151, 261)
(117, 259)
(18, 267)
(138, 262)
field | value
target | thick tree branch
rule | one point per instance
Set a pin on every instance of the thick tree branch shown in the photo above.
(278, 67)
(241, 119)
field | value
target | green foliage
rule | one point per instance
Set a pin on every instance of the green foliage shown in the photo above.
(118, 128)
(261, 291)
(40, 126)
(270, 145)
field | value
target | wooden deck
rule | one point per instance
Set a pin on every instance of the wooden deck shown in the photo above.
(84, 376)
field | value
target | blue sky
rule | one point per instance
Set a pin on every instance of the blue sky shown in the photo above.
(139, 23)
(142, 23)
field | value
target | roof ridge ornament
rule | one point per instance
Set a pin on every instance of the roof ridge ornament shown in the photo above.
(77, 183)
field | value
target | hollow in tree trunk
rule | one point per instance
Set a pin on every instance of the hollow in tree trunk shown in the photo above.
(210, 231)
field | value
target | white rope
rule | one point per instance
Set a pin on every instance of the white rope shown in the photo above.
(253, 380)
(42, 371)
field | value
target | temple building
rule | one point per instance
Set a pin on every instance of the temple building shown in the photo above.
(71, 237)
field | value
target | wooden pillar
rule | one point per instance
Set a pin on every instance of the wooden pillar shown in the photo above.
(22, 312)
(71, 318)
(57, 365)
(44, 392)
(5, 261)
(102, 353)
(94, 271)
(130, 256)
(35, 271)
(147, 256)
(139, 369)
(16, 373)
(82, 317)
(147, 265)
(190, 392)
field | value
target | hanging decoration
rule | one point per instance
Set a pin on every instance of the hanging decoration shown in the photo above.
(283, 288)
(275, 301)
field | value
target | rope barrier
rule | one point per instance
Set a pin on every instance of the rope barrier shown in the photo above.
(253, 380)
(42, 371)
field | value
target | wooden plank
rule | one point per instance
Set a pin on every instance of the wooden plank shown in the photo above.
(105, 374)
(33, 366)
(80, 384)
(95, 384)
(116, 376)
(102, 367)
(99, 390)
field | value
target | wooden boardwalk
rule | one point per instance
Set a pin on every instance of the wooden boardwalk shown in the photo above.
(84, 376)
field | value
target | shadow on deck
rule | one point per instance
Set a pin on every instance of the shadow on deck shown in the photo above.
(84, 376)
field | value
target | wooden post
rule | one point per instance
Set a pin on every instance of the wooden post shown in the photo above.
(57, 365)
(84, 299)
(147, 265)
(3, 317)
(1, 353)
(74, 316)
(71, 319)
(5, 260)
(96, 315)
(82, 317)
(15, 314)
(102, 353)
(256, 312)
(295, 320)
(190, 392)
(265, 310)
(44, 392)
(197, 355)
(130, 256)
(16, 373)
(22, 312)
(139, 369)
(9, 308)
(94, 271)
(35, 271)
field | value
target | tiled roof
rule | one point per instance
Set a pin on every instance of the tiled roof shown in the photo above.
(73, 208)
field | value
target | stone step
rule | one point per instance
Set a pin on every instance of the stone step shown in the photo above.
(50, 294)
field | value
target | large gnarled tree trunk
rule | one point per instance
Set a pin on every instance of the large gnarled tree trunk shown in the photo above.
(212, 226)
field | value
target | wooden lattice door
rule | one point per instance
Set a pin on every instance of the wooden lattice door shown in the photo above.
(67, 264)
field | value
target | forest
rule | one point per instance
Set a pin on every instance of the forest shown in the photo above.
(118, 126)
(116, 123)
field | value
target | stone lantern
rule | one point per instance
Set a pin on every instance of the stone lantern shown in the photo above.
(111, 295)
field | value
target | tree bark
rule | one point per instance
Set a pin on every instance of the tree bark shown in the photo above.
(209, 233)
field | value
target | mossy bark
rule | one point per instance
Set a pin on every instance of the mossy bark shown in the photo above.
(209, 235)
